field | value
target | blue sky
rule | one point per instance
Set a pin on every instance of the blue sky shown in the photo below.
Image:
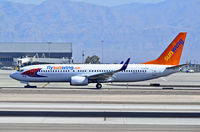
(98, 2)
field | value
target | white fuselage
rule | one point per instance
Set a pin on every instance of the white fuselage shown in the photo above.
(64, 72)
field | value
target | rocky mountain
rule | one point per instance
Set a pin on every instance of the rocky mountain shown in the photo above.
(139, 31)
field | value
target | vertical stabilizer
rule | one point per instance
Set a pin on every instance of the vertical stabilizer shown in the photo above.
(172, 55)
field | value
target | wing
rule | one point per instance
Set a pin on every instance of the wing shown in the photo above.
(108, 75)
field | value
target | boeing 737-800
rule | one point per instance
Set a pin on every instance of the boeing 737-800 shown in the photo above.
(83, 74)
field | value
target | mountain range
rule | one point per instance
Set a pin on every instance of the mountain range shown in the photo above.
(139, 31)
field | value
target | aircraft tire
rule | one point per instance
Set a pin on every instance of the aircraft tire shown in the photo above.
(28, 86)
(98, 86)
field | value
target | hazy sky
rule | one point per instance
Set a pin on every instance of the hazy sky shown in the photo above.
(98, 2)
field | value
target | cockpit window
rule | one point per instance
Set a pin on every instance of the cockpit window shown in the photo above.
(20, 70)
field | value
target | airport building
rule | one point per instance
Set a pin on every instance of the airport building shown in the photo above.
(195, 67)
(11, 51)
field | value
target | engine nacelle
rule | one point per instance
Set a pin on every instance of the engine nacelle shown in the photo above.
(79, 81)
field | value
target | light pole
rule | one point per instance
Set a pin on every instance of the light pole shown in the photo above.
(49, 44)
(102, 50)
(83, 55)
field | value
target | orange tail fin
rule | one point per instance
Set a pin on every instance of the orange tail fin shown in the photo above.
(172, 55)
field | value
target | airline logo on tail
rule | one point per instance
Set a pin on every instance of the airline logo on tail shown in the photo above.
(177, 46)
(172, 54)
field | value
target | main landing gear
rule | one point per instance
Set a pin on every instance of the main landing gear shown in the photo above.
(98, 86)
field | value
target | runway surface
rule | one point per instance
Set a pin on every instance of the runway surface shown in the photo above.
(100, 114)
(97, 128)
(95, 107)
(172, 106)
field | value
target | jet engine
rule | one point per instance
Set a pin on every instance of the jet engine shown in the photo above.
(79, 81)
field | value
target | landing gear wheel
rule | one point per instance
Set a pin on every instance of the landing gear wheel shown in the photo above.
(28, 86)
(98, 86)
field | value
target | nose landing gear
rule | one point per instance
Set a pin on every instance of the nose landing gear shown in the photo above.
(98, 86)
(29, 86)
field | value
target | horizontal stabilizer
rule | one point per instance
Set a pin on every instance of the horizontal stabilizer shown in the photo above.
(176, 67)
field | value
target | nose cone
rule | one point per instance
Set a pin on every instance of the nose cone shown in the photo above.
(14, 75)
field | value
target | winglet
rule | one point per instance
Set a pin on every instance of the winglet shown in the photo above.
(125, 65)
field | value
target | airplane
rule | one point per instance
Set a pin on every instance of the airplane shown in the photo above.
(83, 74)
